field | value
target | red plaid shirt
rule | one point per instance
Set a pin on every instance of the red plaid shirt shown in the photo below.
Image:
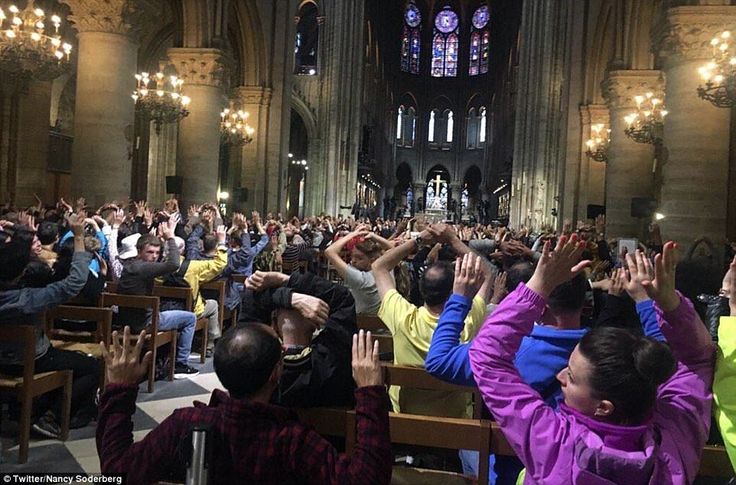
(258, 443)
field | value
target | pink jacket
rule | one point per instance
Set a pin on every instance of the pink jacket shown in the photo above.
(571, 448)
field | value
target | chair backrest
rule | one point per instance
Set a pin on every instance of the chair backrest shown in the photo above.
(111, 287)
(102, 317)
(175, 293)
(714, 462)
(239, 278)
(134, 301)
(25, 336)
(370, 322)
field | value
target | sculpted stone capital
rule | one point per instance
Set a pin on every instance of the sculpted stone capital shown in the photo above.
(112, 16)
(684, 33)
(591, 114)
(253, 95)
(199, 66)
(620, 87)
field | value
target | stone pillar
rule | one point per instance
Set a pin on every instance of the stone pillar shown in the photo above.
(104, 113)
(256, 100)
(33, 144)
(591, 187)
(629, 170)
(199, 133)
(696, 134)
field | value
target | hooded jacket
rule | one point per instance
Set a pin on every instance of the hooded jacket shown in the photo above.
(567, 447)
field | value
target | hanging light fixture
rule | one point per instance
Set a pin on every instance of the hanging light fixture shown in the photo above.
(162, 103)
(646, 124)
(719, 75)
(234, 127)
(29, 48)
(598, 143)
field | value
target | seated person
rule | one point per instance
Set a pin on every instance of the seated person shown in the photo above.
(254, 441)
(412, 327)
(357, 275)
(724, 392)
(137, 279)
(634, 411)
(26, 306)
(315, 318)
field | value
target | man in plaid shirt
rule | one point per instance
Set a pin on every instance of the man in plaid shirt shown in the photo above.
(250, 440)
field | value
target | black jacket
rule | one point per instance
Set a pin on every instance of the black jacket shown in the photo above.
(321, 374)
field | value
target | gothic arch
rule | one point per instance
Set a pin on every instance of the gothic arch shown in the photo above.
(301, 107)
(602, 50)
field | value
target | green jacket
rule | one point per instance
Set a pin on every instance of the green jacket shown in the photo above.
(724, 385)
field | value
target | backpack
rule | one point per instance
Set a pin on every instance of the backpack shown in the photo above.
(175, 279)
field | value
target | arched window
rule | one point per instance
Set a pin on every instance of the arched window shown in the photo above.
(450, 126)
(430, 130)
(307, 39)
(445, 43)
(411, 39)
(399, 120)
(480, 39)
(406, 126)
(476, 128)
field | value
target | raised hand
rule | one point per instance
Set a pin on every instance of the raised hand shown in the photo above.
(468, 276)
(123, 365)
(617, 285)
(76, 224)
(558, 266)
(221, 233)
(661, 289)
(167, 229)
(499, 288)
(367, 369)
(640, 269)
(311, 308)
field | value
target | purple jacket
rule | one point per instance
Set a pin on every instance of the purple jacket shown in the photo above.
(571, 448)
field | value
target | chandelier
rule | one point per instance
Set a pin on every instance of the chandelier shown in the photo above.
(598, 143)
(30, 48)
(163, 103)
(234, 127)
(719, 75)
(645, 125)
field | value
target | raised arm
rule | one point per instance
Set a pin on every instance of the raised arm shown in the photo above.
(332, 253)
(383, 266)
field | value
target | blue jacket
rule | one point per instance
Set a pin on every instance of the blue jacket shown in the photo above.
(542, 354)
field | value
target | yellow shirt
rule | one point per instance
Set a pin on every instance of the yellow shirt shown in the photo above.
(412, 328)
(202, 271)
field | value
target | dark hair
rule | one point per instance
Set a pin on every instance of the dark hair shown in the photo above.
(245, 357)
(235, 237)
(521, 271)
(436, 283)
(569, 296)
(147, 240)
(626, 369)
(371, 249)
(36, 274)
(14, 255)
(47, 232)
(209, 242)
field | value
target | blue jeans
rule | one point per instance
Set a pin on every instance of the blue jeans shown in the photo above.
(184, 323)
(503, 469)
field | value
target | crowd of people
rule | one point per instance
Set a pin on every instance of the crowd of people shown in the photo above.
(598, 362)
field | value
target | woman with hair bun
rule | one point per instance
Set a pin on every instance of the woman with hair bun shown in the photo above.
(635, 411)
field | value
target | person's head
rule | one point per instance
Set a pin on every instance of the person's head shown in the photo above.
(247, 359)
(234, 240)
(149, 248)
(436, 283)
(613, 375)
(519, 272)
(569, 297)
(209, 243)
(14, 256)
(37, 274)
(48, 233)
(364, 254)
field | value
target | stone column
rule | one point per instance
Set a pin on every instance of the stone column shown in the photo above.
(591, 187)
(629, 170)
(696, 134)
(33, 143)
(104, 113)
(199, 133)
(256, 100)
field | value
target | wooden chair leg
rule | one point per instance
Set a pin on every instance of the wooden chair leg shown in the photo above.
(172, 355)
(152, 369)
(205, 335)
(24, 427)
(66, 406)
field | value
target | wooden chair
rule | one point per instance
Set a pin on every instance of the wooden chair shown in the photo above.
(379, 331)
(31, 384)
(185, 296)
(154, 337)
(714, 462)
(86, 341)
(218, 290)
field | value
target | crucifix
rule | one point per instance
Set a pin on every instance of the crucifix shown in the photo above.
(437, 185)
(436, 203)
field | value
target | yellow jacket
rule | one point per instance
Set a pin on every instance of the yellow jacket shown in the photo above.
(724, 385)
(202, 271)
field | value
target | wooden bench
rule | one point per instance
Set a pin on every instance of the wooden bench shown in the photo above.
(379, 331)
